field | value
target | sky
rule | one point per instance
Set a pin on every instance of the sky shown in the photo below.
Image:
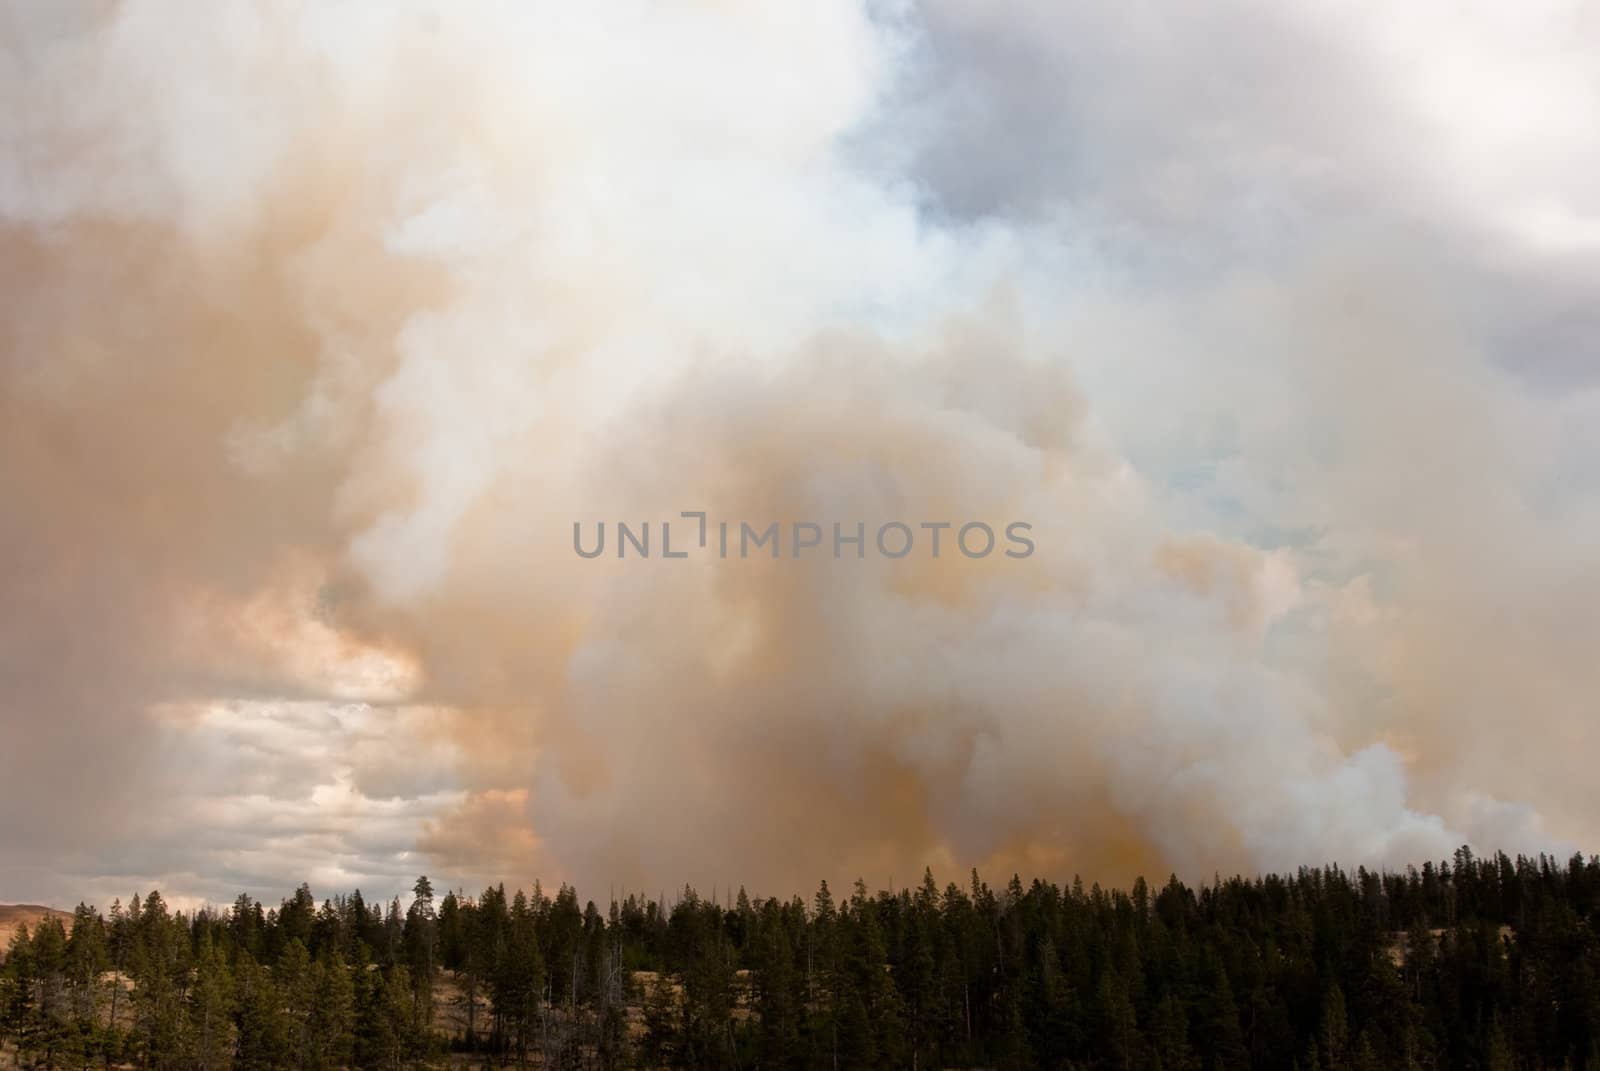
(321, 326)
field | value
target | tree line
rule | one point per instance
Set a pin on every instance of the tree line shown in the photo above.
(1471, 962)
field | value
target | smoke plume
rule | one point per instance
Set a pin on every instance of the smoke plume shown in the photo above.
(324, 324)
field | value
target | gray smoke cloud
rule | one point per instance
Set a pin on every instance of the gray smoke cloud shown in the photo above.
(323, 325)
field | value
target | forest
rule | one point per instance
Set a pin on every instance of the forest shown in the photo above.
(1463, 963)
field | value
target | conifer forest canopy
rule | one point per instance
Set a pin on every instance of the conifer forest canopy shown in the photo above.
(651, 445)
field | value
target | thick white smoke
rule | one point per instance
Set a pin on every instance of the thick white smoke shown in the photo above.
(325, 323)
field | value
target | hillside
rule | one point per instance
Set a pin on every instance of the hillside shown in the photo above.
(15, 916)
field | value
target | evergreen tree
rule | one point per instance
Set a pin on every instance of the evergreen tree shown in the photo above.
(211, 1027)
(421, 940)
(260, 1025)
(19, 1019)
(160, 970)
(779, 996)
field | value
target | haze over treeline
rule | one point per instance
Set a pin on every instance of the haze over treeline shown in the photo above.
(1481, 963)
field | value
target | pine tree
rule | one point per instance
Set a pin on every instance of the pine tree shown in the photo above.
(1334, 1028)
(1227, 1047)
(19, 1014)
(119, 940)
(210, 1011)
(259, 1022)
(778, 995)
(333, 1016)
(87, 958)
(297, 984)
(1169, 1036)
(421, 940)
(386, 1035)
(660, 1043)
(1118, 1021)
(519, 982)
(52, 998)
(917, 976)
(160, 970)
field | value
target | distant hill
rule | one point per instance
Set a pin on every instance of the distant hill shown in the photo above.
(15, 916)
